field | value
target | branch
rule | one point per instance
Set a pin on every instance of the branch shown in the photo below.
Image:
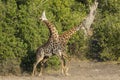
(90, 18)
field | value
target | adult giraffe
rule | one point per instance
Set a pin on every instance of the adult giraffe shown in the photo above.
(52, 47)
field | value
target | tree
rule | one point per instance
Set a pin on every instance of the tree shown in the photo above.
(105, 41)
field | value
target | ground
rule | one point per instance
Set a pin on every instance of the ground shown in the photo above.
(79, 70)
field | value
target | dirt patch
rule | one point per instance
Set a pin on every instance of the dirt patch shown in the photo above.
(79, 70)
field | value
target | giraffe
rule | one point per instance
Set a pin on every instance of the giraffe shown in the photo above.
(57, 47)
(57, 43)
(50, 48)
(85, 25)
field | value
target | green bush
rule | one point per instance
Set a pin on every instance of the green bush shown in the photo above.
(22, 32)
(104, 44)
(53, 63)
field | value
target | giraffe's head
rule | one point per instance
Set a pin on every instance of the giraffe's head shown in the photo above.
(43, 17)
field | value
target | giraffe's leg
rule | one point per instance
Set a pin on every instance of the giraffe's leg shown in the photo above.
(41, 69)
(42, 66)
(66, 71)
(35, 64)
(64, 66)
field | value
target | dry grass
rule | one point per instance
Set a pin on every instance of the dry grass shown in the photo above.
(79, 70)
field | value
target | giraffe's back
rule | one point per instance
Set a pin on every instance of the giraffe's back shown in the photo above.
(49, 49)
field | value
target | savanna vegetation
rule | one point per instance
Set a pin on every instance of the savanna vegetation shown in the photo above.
(21, 31)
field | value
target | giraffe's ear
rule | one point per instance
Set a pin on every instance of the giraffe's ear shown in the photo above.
(43, 17)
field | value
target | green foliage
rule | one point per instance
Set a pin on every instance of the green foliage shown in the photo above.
(105, 43)
(53, 63)
(107, 55)
(21, 32)
(77, 45)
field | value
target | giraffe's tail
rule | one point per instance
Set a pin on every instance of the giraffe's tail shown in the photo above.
(43, 17)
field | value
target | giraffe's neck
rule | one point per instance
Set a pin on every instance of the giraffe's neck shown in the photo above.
(53, 31)
(67, 34)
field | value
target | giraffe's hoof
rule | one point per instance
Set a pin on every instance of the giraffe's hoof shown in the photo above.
(67, 74)
(40, 74)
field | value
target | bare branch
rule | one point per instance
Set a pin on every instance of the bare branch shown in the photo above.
(90, 18)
